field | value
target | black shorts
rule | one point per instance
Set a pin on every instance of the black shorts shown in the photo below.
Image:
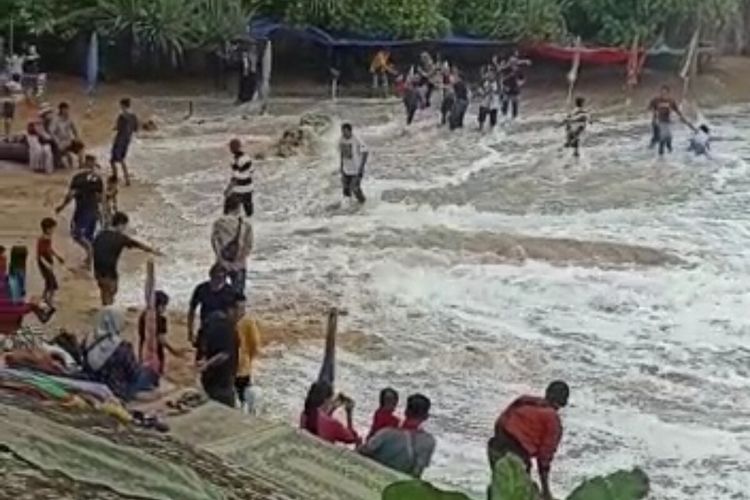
(50, 280)
(119, 151)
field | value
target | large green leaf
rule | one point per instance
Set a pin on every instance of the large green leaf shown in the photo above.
(622, 485)
(510, 481)
(419, 490)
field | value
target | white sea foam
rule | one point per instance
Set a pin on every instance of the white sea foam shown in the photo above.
(657, 356)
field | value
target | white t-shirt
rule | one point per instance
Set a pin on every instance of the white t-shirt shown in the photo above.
(351, 151)
(491, 99)
(15, 64)
(701, 139)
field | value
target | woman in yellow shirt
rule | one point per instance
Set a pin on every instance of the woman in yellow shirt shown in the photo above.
(249, 349)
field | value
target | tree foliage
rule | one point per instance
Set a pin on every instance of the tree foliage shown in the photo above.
(171, 26)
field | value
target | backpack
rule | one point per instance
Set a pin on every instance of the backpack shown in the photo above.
(231, 250)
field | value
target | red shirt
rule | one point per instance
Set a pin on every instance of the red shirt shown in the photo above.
(535, 424)
(44, 249)
(383, 419)
(332, 430)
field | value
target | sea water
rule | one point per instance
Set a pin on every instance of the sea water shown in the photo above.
(485, 266)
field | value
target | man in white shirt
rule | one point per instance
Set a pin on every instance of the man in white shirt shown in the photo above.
(241, 184)
(353, 159)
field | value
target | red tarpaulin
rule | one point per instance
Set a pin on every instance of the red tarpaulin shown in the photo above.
(589, 55)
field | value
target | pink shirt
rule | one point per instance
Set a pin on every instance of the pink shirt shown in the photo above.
(332, 430)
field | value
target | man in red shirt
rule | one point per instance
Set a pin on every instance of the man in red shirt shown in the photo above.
(384, 417)
(530, 428)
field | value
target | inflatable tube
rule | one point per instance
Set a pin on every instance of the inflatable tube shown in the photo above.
(14, 151)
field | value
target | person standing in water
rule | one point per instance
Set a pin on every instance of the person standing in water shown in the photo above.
(449, 95)
(662, 108)
(354, 155)
(490, 101)
(575, 125)
(411, 100)
(126, 126)
(241, 183)
(461, 104)
(512, 79)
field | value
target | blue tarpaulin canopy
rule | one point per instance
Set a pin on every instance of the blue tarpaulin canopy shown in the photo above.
(264, 29)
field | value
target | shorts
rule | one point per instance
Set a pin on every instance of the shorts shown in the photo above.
(665, 132)
(9, 110)
(50, 280)
(83, 226)
(501, 445)
(107, 288)
(119, 151)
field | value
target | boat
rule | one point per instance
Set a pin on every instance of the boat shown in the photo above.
(14, 150)
(602, 56)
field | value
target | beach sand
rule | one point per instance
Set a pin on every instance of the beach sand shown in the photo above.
(26, 198)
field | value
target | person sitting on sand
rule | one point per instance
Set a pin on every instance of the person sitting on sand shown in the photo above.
(41, 157)
(530, 428)
(384, 416)
(65, 134)
(107, 249)
(111, 360)
(408, 448)
(317, 417)
(232, 241)
(86, 189)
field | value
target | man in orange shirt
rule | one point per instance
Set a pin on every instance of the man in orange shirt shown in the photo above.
(530, 428)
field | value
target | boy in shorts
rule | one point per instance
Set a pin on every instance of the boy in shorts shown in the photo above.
(46, 256)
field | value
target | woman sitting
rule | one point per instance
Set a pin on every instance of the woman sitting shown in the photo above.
(110, 360)
(41, 158)
(317, 417)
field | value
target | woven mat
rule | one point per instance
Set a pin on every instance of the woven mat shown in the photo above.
(305, 466)
(89, 459)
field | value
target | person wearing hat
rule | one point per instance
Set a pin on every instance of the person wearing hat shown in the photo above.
(530, 428)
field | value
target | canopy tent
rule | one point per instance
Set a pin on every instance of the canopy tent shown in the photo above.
(588, 55)
(265, 29)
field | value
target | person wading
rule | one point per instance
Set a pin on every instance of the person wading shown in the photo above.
(241, 182)
(354, 156)
(232, 241)
(530, 428)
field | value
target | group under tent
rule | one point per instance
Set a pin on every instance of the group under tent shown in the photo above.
(311, 51)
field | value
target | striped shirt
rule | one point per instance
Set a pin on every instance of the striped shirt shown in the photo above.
(242, 174)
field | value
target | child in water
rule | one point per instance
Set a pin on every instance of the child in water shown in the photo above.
(575, 125)
(700, 144)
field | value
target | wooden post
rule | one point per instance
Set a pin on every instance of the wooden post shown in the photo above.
(328, 366)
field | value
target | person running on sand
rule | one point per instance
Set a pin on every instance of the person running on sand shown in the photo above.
(317, 417)
(125, 127)
(46, 256)
(241, 182)
(232, 241)
(407, 448)
(107, 249)
(354, 155)
(575, 125)
(210, 296)
(530, 428)
(86, 189)
(384, 417)
(662, 108)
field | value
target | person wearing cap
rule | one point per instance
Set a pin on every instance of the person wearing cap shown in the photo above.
(407, 448)
(531, 429)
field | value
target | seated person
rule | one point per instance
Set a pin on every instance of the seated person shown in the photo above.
(110, 360)
(317, 417)
(384, 416)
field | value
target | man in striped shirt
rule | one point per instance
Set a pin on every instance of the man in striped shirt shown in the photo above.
(241, 183)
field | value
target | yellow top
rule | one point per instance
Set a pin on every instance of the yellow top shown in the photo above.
(249, 336)
(381, 62)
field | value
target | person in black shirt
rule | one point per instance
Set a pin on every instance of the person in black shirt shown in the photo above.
(461, 103)
(86, 188)
(217, 355)
(126, 126)
(211, 296)
(107, 248)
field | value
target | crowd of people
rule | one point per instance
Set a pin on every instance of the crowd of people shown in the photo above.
(499, 95)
